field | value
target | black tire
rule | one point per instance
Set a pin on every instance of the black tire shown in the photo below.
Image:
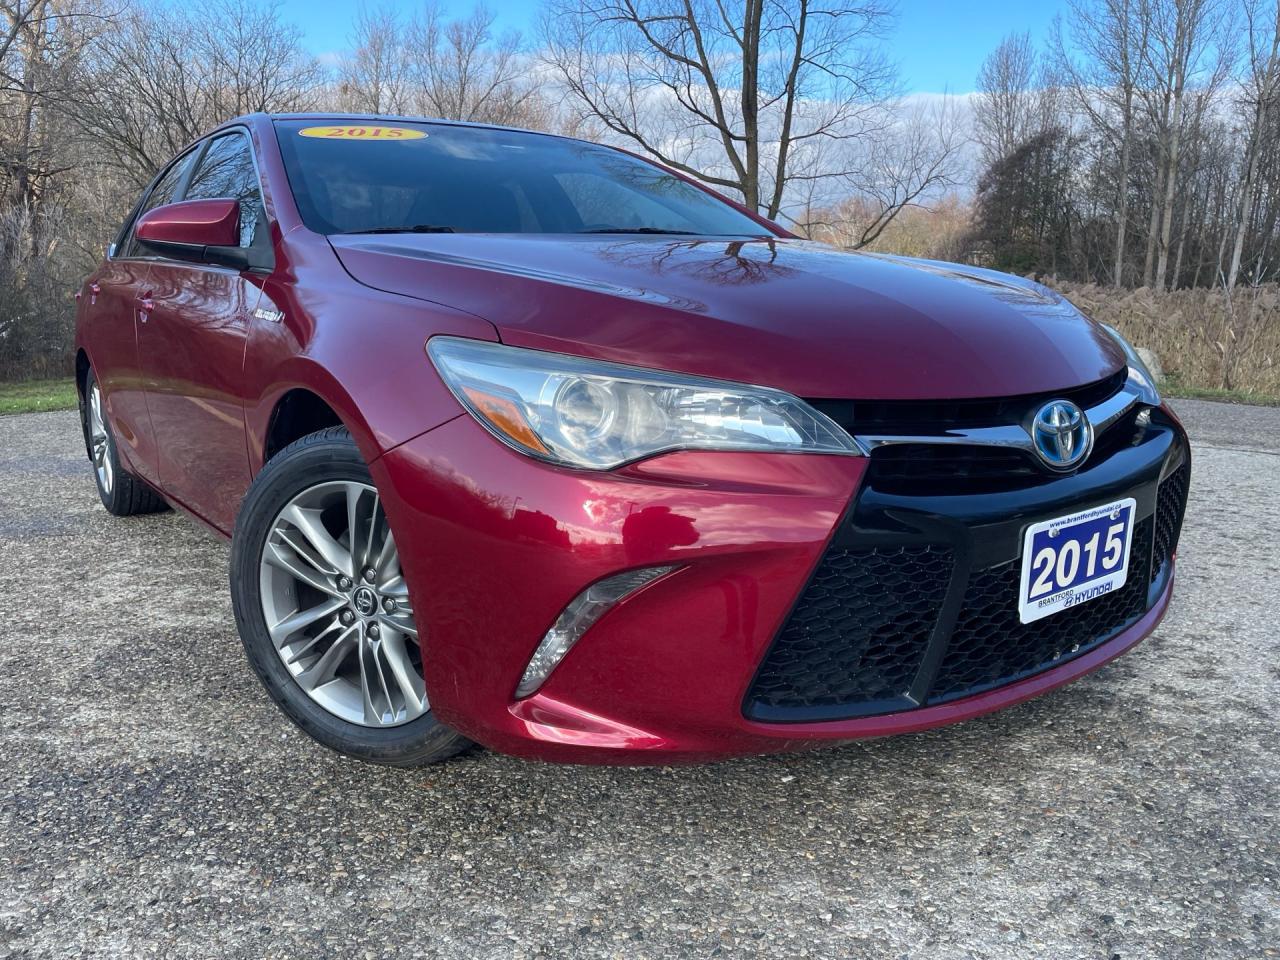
(122, 493)
(328, 455)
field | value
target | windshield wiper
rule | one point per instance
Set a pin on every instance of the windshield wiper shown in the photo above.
(674, 233)
(411, 228)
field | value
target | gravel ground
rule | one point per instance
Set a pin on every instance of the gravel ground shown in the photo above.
(153, 802)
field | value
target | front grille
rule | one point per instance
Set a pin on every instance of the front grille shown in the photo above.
(859, 630)
(990, 646)
(874, 630)
(1169, 511)
(893, 417)
(911, 468)
(914, 468)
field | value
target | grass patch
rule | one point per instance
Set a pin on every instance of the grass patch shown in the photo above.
(33, 396)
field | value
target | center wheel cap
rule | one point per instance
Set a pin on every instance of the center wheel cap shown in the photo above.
(365, 601)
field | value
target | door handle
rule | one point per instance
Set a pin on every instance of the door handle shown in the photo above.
(145, 305)
(94, 290)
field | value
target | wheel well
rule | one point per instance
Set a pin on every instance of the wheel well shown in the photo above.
(299, 413)
(82, 377)
(82, 371)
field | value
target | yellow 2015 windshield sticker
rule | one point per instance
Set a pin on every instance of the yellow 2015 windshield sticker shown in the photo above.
(347, 132)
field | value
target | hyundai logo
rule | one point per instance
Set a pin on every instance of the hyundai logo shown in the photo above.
(1061, 434)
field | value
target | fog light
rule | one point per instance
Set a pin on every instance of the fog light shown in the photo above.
(577, 618)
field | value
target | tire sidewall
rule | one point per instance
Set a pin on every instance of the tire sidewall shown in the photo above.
(322, 458)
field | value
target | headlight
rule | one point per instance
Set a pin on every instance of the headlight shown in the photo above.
(1139, 376)
(587, 413)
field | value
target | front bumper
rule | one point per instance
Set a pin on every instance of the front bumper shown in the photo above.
(496, 545)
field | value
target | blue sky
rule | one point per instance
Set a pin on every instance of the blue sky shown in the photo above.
(939, 43)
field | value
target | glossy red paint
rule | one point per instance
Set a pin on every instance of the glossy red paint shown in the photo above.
(470, 513)
(752, 311)
(196, 223)
(548, 728)
(197, 360)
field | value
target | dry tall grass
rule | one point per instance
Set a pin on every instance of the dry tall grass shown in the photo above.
(1204, 338)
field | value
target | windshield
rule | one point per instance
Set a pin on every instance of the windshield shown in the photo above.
(393, 176)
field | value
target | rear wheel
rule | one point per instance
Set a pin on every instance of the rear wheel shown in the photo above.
(121, 492)
(324, 611)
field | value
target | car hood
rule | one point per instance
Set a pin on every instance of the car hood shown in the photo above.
(790, 314)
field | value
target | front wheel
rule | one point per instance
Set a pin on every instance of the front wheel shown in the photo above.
(323, 608)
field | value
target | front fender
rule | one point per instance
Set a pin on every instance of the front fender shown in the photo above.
(361, 350)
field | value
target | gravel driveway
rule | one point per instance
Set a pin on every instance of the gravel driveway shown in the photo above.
(153, 802)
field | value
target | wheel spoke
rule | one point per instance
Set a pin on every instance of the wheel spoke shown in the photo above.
(291, 624)
(324, 669)
(412, 689)
(401, 624)
(320, 540)
(304, 552)
(360, 527)
(307, 647)
(388, 556)
(389, 574)
(372, 528)
(290, 563)
(372, 682)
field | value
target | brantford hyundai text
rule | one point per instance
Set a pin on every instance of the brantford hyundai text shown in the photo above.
(532, 442)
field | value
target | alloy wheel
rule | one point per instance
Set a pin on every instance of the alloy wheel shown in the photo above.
(337, 608)
(100, 441)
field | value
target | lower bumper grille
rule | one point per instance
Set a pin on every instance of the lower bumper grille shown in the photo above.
(873, 632)
(991, 646)
(860, 629)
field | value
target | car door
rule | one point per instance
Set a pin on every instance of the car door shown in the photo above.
(111, 320)
(192, 334)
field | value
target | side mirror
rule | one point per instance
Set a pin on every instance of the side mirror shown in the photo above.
(205, 231)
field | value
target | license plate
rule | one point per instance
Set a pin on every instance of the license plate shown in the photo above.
(1074, 559)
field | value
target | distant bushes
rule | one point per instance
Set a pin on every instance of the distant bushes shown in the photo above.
(1204, 338)
(39, 270)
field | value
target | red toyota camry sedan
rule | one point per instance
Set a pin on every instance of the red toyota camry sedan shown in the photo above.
(531, 442)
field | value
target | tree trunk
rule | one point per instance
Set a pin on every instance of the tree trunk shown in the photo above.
(1122, 205)
(1170, 188)
(1246, 192)
(1153, 228)
(1261, 115)
(751, 101)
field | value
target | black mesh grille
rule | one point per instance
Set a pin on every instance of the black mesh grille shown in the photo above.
(868, 621)
(859, 630)
(990, 646)
(1169, 510)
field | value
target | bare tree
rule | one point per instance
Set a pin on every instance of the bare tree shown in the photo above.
(912, 161)
(1186, 45)
(1100, 60)
(1007, 110)
(742, 102)
(1261, 95)
(464, 70)
(375, 77)
(166, 73)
